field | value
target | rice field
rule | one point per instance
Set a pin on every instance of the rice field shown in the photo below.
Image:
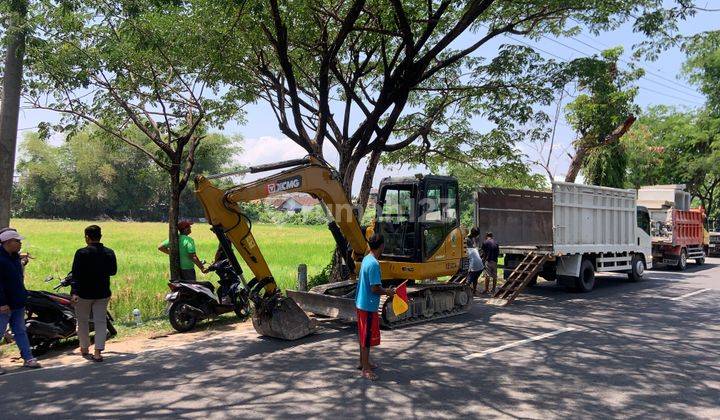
(141, 281)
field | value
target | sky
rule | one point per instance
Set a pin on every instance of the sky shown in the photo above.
(264, 143)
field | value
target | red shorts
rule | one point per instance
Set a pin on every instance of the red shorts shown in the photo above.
(368, 328)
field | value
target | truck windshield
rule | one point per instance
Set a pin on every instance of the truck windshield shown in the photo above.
(643, 219)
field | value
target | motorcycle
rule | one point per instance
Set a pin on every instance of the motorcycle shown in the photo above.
(190, 302)
(50, 317)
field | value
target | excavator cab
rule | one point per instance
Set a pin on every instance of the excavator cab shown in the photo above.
(415, 215)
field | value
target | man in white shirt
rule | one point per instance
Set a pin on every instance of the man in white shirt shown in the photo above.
(476, 264)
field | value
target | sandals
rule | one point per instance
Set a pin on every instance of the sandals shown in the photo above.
(373, 366)
(370, 375)
(96, 358)
(32, 364)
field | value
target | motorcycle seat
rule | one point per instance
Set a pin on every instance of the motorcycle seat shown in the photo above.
(207, 284)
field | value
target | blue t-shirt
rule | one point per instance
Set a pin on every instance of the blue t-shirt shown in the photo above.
(365, 299)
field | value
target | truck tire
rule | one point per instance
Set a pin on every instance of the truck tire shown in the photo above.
(586, 281)
(682, 262)
(637, 269)
(533, 281)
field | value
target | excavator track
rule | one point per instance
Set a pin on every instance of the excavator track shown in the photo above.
(428, 302)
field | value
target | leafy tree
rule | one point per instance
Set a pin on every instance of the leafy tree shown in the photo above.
(93, 175)
(676, 147)
(597, 114)
(144, 65)
(372, 77)
(681, 146)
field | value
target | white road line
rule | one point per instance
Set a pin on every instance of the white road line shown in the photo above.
(517, 343)
(697, 292)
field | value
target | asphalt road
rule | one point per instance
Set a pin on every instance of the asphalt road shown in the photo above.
(648, 349)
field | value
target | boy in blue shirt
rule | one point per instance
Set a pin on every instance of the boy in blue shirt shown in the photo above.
(367, 301)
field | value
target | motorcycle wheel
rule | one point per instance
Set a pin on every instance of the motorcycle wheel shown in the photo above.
(112, 332)
(181, 322)
(42, 347)
(242, 308)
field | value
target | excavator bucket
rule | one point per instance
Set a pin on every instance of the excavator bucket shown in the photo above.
(281, 317)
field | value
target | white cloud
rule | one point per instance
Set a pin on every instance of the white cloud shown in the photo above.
(268, 149)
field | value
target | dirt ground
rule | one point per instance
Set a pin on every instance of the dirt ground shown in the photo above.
(69, 353)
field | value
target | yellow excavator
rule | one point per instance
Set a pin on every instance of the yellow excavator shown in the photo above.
(418, 217)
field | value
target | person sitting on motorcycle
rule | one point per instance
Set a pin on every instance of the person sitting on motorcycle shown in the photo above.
(221, 265)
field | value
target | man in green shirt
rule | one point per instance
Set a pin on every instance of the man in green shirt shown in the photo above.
(188, 258)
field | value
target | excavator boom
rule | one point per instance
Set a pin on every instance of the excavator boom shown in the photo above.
(418, 217)
(277, 315)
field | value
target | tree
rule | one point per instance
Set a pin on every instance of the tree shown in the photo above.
(15, 13)
(144, 65)
(373, 77)
(93, 175)
(601, 116)
(674, 147)
(680, 146)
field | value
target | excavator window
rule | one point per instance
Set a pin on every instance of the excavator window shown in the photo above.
(432, 225)
(397, 220)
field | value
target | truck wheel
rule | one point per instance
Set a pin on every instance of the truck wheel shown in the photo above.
(533, 281)
(637, 268)
(682, 262)
(586, 281)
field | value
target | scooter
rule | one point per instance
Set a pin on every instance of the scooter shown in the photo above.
(190, 302)
(50, 317)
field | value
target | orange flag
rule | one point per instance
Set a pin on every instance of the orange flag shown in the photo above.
(400, 300)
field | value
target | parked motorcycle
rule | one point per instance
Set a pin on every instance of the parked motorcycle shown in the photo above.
(190, 302)
(50, 317)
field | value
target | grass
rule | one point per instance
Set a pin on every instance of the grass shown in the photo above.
(141, 281)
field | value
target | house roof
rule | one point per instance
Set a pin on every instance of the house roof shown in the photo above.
(303, 200)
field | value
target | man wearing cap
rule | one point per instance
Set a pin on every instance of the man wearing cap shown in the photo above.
(188, 258)
(13, 294)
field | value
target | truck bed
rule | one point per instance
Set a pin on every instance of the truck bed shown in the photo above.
(571, 219)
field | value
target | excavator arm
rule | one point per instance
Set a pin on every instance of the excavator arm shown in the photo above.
(276, 315)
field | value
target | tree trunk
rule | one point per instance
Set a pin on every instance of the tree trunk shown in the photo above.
(173, 218)
(366, 185)
(347, 173)
(579, 159)
(10, 108)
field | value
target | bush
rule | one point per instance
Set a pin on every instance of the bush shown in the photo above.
(323, 277)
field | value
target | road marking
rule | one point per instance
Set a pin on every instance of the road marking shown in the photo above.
(697, 292)
(517, 343)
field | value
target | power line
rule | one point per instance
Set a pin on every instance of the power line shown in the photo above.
(658, 75)
(643, 77)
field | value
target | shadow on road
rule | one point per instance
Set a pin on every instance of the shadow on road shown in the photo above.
(633, 353)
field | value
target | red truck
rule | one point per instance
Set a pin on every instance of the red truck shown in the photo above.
(677, 231)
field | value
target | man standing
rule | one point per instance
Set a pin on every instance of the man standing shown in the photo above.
(13, 294)
(188, 258)
(367, 301)
(91, 270)
(476, 264)
(490, 251)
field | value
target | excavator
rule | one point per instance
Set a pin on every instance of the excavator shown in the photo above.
(417, 216)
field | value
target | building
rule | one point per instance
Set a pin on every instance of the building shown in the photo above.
(297, 202)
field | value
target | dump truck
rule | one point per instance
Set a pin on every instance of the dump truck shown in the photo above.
(677, 230)
(566, 234)
(713, 249)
